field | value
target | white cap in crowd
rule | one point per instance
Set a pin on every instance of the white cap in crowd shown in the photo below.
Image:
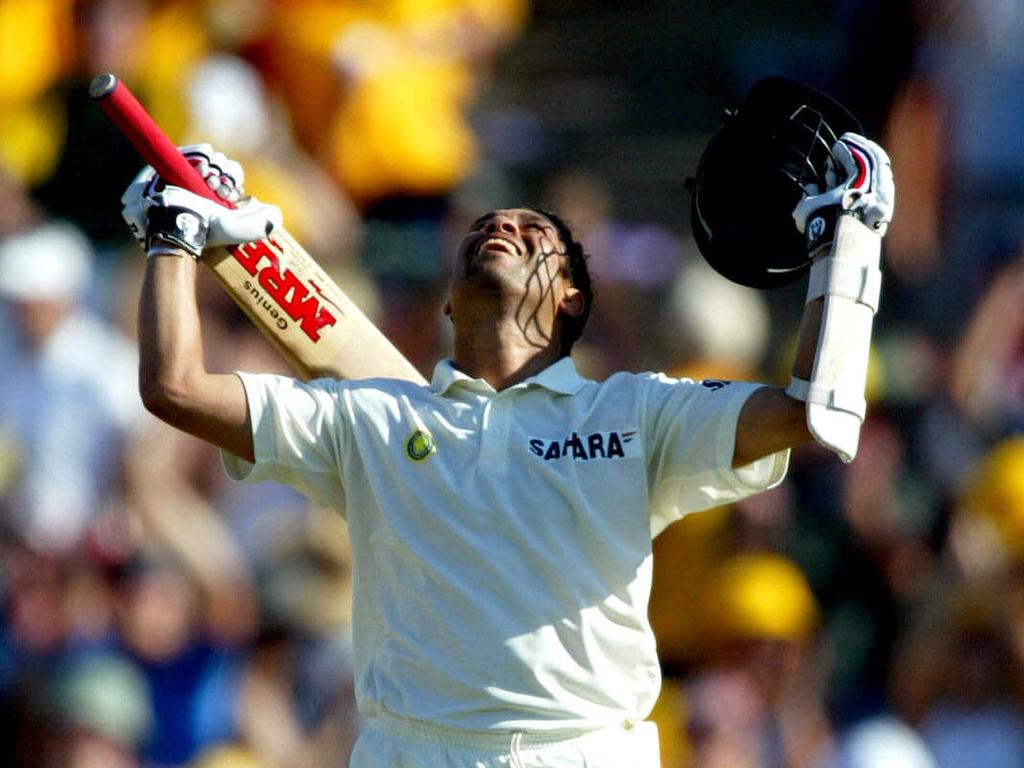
(51, 261)
(881, 742)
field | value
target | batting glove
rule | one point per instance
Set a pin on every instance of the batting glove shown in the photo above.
(162, 218)
(860, 183)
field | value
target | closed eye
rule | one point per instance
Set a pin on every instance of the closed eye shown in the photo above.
(479, 223)
(544, 229)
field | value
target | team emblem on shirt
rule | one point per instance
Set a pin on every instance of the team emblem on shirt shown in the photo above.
(419, 445)
(615, 444)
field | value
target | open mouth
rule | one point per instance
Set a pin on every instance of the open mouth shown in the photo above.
(499, 244)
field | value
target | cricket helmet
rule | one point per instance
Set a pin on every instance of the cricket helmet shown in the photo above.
(777, 141)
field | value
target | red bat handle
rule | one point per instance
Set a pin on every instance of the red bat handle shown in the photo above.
(121, 106)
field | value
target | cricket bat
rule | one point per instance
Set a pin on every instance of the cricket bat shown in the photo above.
(302, 311)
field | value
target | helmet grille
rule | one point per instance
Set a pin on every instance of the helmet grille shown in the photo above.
(804, 142)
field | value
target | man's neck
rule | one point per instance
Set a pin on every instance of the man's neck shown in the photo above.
(502, 360)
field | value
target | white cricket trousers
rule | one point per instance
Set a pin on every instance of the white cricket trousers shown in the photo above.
(391, 742)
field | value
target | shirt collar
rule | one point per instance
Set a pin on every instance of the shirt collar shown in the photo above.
(561, 377)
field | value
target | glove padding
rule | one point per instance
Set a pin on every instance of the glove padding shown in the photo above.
(860, 183)
(154, 211)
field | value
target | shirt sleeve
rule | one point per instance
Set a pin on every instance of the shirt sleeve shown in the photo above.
(690, 433)
(298, 430)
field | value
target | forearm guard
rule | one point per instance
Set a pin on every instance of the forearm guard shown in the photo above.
(849, 279)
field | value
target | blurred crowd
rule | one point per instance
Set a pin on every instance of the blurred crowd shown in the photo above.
(155, 614)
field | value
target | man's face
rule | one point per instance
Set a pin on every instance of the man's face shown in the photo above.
(516, 255)
(505, 241)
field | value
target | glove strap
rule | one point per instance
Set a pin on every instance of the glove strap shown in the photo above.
(174, 227)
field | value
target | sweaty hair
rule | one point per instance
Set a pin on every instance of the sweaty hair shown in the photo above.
(579, 276)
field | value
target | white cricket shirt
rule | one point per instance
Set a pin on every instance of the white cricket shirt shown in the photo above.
(502, 540)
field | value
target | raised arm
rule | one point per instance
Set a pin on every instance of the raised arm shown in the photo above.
(771, 420)
(174, 226)
(844, 226)
(173, 381)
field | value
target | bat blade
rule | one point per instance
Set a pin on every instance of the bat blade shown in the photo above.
(286, 294)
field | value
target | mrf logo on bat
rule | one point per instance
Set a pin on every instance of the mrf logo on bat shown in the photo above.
(263, 260)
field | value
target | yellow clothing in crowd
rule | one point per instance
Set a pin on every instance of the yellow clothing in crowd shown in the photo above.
(403, 74)
(35, 38)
